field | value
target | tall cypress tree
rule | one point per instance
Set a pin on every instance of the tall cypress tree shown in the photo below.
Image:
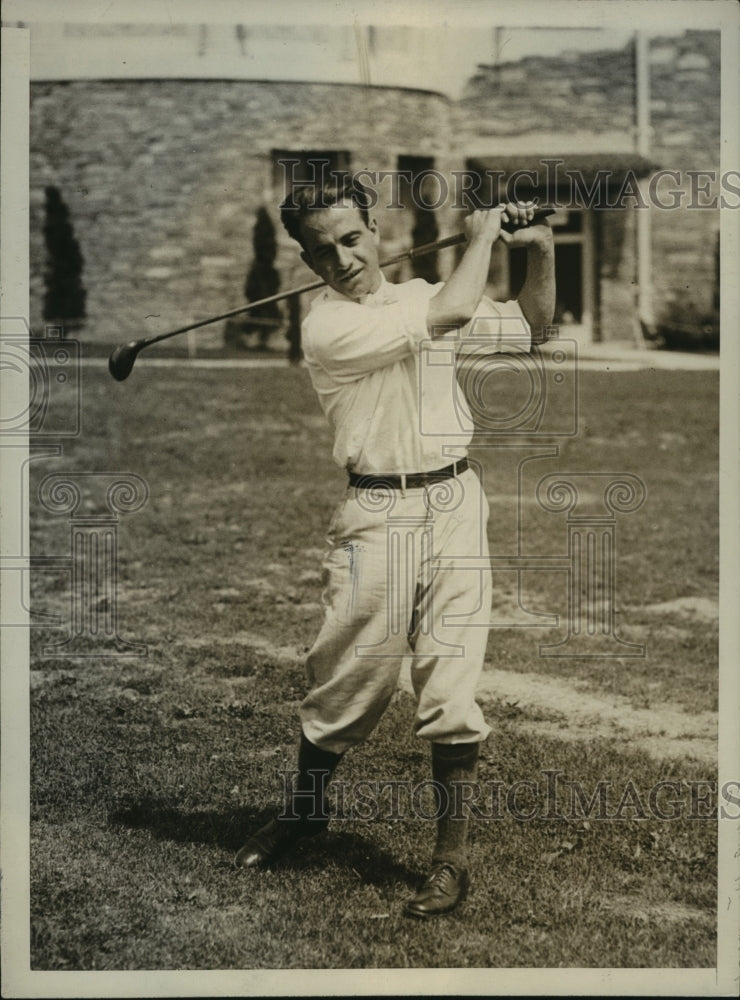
(263, 280)
(64, 296)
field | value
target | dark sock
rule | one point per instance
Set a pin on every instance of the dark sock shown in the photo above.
(308, 799)
(453, 762)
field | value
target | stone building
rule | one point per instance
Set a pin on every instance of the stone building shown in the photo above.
(575, 115)
(164, 178)
(163, 175)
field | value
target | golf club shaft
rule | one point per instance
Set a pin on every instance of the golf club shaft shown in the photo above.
(419, 251)
(123, 357)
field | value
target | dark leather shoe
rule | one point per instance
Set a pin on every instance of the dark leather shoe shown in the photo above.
(273, 840)
(445, 887)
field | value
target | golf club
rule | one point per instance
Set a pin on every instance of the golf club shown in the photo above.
(122, 359)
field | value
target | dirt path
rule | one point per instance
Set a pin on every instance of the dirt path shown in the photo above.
(665, 731)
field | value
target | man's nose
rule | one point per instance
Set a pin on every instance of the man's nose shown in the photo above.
(344, 258)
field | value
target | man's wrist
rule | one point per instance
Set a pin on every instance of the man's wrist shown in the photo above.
(542, 242)
(481, 241)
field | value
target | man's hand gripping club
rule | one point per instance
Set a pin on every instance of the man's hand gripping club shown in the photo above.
(456, 302)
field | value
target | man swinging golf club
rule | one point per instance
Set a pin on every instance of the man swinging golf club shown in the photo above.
(363, 339)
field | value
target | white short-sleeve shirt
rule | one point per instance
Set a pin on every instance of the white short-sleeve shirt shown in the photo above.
(388, 390)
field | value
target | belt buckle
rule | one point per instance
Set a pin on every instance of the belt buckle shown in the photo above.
(403, 484)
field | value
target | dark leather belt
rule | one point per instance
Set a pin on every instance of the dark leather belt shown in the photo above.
(407, 481)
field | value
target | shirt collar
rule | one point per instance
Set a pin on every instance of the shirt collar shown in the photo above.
(380, 297)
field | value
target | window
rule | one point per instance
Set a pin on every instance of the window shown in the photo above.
(294, 167)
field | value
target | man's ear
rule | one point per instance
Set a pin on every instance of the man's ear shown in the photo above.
(372, 225)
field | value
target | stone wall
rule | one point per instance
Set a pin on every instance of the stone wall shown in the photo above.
(580, 101)
(616, 265)
(684, 110)
(163, 179)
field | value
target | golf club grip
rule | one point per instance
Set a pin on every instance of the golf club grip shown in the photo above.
(425, 248)
(450, 241)
(539, 216)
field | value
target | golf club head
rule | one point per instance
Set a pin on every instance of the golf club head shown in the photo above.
(121, 361)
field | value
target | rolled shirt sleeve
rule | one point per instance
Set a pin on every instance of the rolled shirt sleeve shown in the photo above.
(348, 339)
(496, 327)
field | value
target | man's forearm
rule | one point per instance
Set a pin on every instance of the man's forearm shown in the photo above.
(456, 302)
(537, 297)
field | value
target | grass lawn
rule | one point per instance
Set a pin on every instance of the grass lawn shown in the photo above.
(147, 773)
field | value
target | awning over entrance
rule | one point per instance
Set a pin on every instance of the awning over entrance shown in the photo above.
(577, 180)
(587, 164)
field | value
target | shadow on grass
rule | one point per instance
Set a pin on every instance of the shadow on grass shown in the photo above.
(228, 831)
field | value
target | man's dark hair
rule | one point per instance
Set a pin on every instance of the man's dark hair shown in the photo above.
(306, 198)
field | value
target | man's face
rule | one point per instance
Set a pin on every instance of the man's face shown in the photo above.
(341, 249)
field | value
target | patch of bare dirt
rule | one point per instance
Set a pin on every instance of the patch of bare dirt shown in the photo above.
(663, 912)
(702, 609)
(666, 731)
